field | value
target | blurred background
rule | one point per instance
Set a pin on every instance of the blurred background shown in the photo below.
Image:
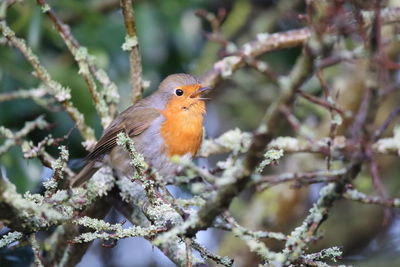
(173, 39)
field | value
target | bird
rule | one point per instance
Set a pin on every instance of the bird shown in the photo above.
(165, 124)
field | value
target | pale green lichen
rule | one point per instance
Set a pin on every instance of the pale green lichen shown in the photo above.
(194, 201)
(227, 65)
(106, 231)
(99, 185)
(247, 49)
(332, 254)
(130, 192)
(110, 90)
(234, 140)
(77, 198)
(37, 212)
(6, 133)
(163, 214)
(255, 245)
(261, 66)
(59, 164)
(60, 196)
(225, 261)
(288, 143)
(36, 94)
(130, 42)
(262, 37)
(137, 160)
(176, 230)
(35, 198)
(50, 184)
(356, 195)
(232, 168)
(337, 119)
(36, 251)
(300, 237)
(145, 84)
(270, 156)
(32, 211)
(81, 53)
(392, 144)
(81, 56)
(45, 8)
(98, 225)
(60, 92)
(12, 138)
(9, 238)
(231, 48)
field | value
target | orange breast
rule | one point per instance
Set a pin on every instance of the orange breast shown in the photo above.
(182, 130)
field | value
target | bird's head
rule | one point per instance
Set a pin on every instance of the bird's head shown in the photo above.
(183, 92)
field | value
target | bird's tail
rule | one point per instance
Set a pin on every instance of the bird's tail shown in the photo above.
(85, 174)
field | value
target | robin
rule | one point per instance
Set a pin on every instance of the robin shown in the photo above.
(167, 123)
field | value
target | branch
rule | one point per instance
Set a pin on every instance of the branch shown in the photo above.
(266, 42)
(33, 212)
(236, 141)
(352, 194)
(65, 254)
(131, 44)
(10, 238)
(83, 58)
(59, 92)
(135, 207)
(35, 94)
(265, 182)
(15, 138)
(93, 202)
(225, 261)
(304, 234)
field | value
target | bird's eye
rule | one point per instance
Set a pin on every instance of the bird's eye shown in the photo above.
(179, 92)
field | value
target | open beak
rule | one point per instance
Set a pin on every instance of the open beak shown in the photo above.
(200, 91)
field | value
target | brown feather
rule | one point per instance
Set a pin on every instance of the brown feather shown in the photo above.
(133, 121)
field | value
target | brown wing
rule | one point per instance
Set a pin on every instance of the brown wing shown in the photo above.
(133, 121)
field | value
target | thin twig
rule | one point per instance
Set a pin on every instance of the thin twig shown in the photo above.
(321, 102)
(378, 133)
(302, 178)
(59, 92)
(225, 261)
(355, 195)
(131, 44)
(82, 57)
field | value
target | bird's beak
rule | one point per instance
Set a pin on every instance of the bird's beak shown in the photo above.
(201, 91)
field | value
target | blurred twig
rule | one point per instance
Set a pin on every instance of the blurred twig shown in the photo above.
(36, 93)
(131, 44)
(355, 195)
(15, 138)
(84, 61)
(299, 178)
(266, 42)
(61, 93)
